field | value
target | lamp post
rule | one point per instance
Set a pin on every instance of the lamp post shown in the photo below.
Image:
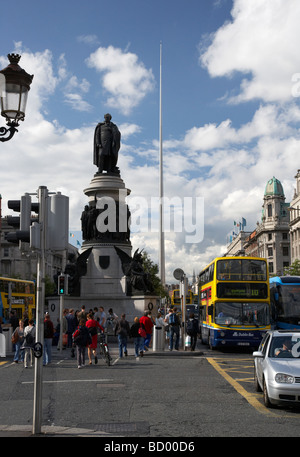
(15, 85)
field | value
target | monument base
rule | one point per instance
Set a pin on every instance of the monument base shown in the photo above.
(132, 306)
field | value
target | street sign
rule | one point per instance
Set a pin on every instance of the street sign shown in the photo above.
(178, 274)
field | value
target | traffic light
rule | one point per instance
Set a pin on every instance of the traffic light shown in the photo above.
(63, 285)
(58, 222)
(23, 222)
(53, 223)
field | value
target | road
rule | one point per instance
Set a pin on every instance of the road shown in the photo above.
(171, 395)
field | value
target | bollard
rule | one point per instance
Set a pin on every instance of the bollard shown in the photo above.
(2, 345)
(7, 332)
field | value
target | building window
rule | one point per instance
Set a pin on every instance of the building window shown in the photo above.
(6, 268)
(270, 252)
(271, 268)
(269, 236)
(285, 251)
(269, 210)
(284, 236)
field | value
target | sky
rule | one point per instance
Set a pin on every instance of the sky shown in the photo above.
(230, 111)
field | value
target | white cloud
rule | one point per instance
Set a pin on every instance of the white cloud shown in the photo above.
(261, 42)
(88, 39)
(76, 102)
(125, 79)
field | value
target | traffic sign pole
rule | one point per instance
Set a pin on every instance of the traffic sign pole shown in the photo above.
(38, 366)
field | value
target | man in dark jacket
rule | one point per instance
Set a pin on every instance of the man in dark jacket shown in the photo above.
(48, 337)
(123, 331)
(72, 324)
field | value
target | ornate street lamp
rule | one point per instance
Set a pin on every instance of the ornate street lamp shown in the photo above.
(16, 84)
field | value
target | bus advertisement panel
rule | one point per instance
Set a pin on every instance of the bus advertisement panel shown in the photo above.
(17, 295)
(285, 302)
(234, 301)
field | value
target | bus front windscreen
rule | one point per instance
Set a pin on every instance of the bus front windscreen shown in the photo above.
(235, 313)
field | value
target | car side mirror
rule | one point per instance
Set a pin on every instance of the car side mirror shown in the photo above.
(258, 354)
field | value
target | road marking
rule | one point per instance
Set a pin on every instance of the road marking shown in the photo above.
(250, 380)
(69, 381)
(248, 396)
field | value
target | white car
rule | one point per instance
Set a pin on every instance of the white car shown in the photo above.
(277, 367)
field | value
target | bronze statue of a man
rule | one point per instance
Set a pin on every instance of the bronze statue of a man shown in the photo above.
(107, 141)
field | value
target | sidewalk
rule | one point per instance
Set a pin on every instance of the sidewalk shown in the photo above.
(25, 431)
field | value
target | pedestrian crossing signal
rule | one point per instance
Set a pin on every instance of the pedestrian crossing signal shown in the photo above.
(62, 285)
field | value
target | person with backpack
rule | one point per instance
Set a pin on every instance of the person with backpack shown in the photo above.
(138, 339)
(82, 338)
(174, 328)
(29, 340)
(192, 329)
(92, 326)
(48, 338)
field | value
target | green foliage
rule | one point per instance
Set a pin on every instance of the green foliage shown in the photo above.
(152, 269)
(293, 270)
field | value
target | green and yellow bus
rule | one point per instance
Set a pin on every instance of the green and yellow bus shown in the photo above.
(17, 295)
(234, 301)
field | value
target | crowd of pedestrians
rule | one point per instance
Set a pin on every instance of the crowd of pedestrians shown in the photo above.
(80, 330)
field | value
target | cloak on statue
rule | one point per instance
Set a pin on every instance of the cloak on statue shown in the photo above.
(107, 142)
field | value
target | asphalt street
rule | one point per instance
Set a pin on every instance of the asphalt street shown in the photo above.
(164, 395)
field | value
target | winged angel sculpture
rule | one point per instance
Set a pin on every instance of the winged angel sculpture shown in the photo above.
(137, 279)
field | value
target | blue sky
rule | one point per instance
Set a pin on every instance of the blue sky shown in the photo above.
(230, 106)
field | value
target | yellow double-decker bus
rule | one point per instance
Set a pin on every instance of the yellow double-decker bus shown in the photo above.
(17, 295)
(176, 298)
(234, 301)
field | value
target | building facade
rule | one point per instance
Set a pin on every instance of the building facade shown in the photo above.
(295, 221)
(271, 238)
(23, 265)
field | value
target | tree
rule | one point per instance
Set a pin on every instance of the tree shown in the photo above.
(152, 269)
(293, 270)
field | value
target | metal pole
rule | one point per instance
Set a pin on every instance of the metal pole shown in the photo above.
(9, 296)
(183, 308)
(38, 366)
(161, 190)
(62, 304)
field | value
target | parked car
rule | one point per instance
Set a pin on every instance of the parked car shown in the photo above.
(277, 367)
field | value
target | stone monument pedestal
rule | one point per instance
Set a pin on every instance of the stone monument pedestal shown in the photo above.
(104, 277)
(104, 283)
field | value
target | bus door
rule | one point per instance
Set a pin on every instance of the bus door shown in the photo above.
(205, 301)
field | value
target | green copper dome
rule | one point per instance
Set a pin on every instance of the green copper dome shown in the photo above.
(274, 187)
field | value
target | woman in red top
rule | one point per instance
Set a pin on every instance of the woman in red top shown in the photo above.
(92, 324)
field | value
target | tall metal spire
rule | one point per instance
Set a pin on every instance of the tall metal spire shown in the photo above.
(161, 189)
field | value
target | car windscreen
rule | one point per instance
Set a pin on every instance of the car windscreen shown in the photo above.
(287, 346)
